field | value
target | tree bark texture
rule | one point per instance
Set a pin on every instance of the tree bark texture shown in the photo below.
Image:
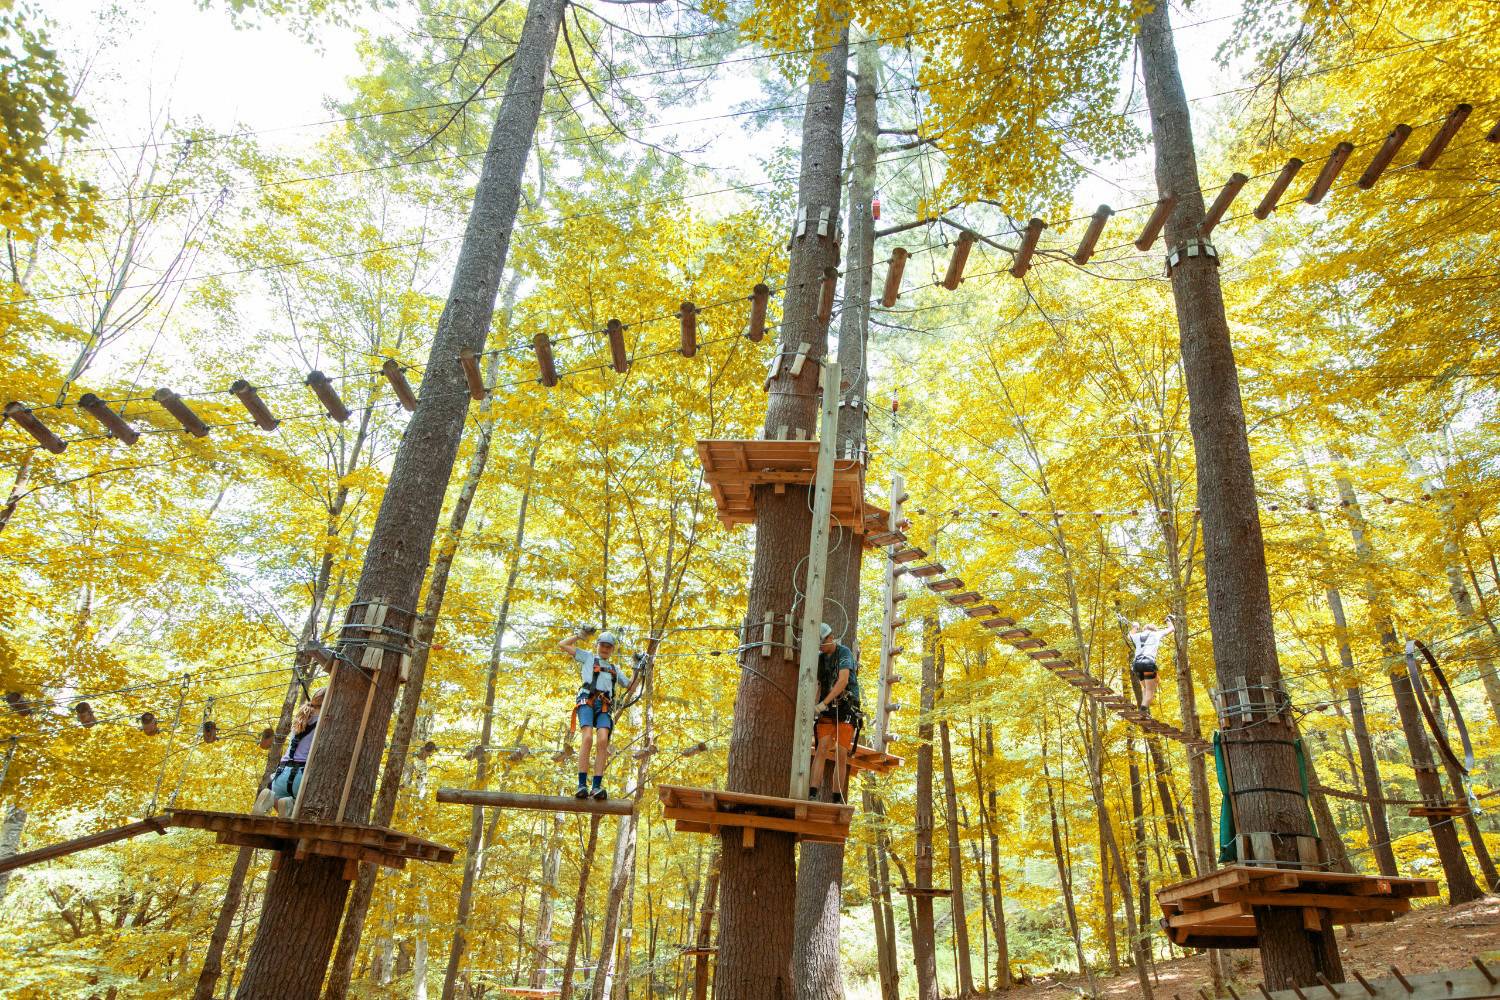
(880, 904)
(394, 771)
(542, 949)
(1239, 600)
(305, 898)
(816, 963)
(758, 885)
(705, 932)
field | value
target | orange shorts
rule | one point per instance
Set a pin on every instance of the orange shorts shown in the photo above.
(825, 729)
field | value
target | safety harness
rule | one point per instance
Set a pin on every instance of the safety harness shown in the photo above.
(590, 695)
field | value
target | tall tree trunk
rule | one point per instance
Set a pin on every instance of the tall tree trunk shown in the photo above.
(580, 901)
(1461, 885)
(1369, 768)
(955, 856)
(816, 963)
(757, 925)
(472, 851)
(923, 932)
(305, 898)
(1140, 940)
(393, 774)
(10, 839)
(1159, 768)
(883, 912)
(541, 951)
(1239, 599)
(1002, 944)
(1331, 843)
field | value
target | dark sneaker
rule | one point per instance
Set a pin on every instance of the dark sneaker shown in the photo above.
(582, 793)
(600, 794)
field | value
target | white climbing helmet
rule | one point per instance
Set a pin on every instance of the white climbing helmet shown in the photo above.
(824, 631)
(607, 637)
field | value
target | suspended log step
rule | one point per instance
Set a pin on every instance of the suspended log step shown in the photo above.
(869, 759)
(1447, 810)
(734, 470)
(151, 824)
(930, 569)
(693, 952)
(354, 842)
(1216, 910)
(550, 803)
(711, 810)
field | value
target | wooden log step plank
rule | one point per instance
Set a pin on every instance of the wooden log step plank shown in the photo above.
(550, 803)
(151, 824)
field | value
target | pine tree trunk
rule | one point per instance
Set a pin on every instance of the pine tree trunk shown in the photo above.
(882, 911)
(816, 963)
(1331, 843)
(758, 884)
(1239, 602)
(1461, 885)
(923, 931)
(305, 898)
(580, 902)
(1002, 944)
(393, 773)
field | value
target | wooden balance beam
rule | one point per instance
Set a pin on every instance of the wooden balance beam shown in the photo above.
(550, 803)
(151, 824)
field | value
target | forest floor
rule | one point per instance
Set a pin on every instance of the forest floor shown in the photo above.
(1430, 939)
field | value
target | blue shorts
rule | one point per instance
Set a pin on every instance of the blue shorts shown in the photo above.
(594, 718)
(286, 782)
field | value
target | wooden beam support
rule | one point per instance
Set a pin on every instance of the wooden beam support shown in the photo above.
(826, 294)
(689, 316)
(28, 422)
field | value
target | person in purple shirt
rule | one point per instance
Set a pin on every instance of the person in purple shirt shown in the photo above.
(286, 780)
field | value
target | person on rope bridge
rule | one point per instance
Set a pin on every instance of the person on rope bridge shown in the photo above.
(1145, 643)
(836, 732)
(591, 709)
(286, 781)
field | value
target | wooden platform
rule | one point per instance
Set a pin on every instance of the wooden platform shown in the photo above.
(1216, 910)
(932, 891)
(354, 842)
(872, 760)
(733, 469)
(709, 810)
(151, 824)
(1450, 810)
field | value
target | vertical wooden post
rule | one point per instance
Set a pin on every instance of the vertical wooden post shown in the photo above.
(817, 580)
(889, 611)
